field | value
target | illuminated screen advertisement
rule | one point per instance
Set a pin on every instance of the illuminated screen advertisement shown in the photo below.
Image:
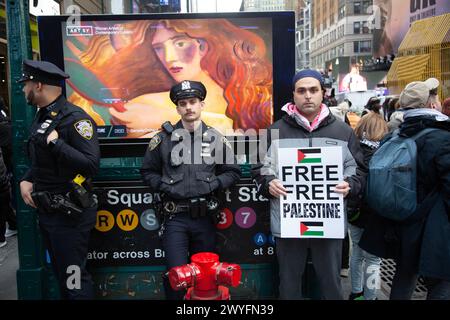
(122, 71)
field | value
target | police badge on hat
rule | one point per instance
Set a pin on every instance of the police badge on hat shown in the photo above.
(85, 129)
(185, 85)
(187, 89)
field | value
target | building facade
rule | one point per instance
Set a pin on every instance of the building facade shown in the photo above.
(35, 7)
(341, 38)
(155, 6)
(87, 7)
(264, 5)
(303, 34)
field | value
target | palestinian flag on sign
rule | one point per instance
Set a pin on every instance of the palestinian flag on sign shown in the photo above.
(311, 228)
(309, 156)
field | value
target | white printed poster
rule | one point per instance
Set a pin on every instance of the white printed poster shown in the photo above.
(311, 208)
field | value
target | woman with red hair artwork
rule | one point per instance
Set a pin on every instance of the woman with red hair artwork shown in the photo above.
(140, 66)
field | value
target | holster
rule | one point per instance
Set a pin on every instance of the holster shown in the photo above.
(55, 203)
(82, 197)
(158, 207)
(43, 201)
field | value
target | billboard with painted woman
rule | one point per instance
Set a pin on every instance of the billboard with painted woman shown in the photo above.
(122, 71)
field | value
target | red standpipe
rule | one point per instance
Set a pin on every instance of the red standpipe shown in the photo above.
(205, 277)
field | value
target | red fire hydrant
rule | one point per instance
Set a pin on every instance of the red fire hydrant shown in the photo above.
(204, 277)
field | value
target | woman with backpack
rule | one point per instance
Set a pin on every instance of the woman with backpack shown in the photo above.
(418, 239)
(364, 267)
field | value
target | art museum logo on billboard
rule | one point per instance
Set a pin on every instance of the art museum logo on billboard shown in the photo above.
(79, 31)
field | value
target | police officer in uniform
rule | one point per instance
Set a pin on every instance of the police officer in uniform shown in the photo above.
(64, 153)
(185, 164)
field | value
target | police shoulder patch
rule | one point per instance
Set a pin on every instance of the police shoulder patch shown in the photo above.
(154, 142)
(84, 128)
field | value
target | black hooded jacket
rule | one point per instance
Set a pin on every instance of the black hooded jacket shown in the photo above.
(428, 239)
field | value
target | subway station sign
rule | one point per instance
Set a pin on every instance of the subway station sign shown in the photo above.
(126, 231)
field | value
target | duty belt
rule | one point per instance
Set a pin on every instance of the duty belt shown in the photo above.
(206, 204)
(56, 202)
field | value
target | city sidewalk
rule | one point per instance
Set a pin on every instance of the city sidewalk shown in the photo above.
(9, 263)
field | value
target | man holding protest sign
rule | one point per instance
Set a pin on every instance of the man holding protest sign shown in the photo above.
(312, 163)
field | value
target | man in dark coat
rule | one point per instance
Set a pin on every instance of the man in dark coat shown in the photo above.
(421, 246)
(308, 123)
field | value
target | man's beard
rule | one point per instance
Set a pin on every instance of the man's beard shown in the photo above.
(30, 99)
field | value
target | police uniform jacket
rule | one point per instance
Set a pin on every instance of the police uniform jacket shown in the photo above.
(75, 152)
(188, 180)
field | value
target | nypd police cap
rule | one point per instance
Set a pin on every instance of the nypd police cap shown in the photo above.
(187, 89)
(42, 71)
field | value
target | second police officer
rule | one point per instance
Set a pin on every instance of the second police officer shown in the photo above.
(186, 164)
(64, 153)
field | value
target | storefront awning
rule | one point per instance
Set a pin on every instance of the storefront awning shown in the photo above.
(405, 70)
(426, 33)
